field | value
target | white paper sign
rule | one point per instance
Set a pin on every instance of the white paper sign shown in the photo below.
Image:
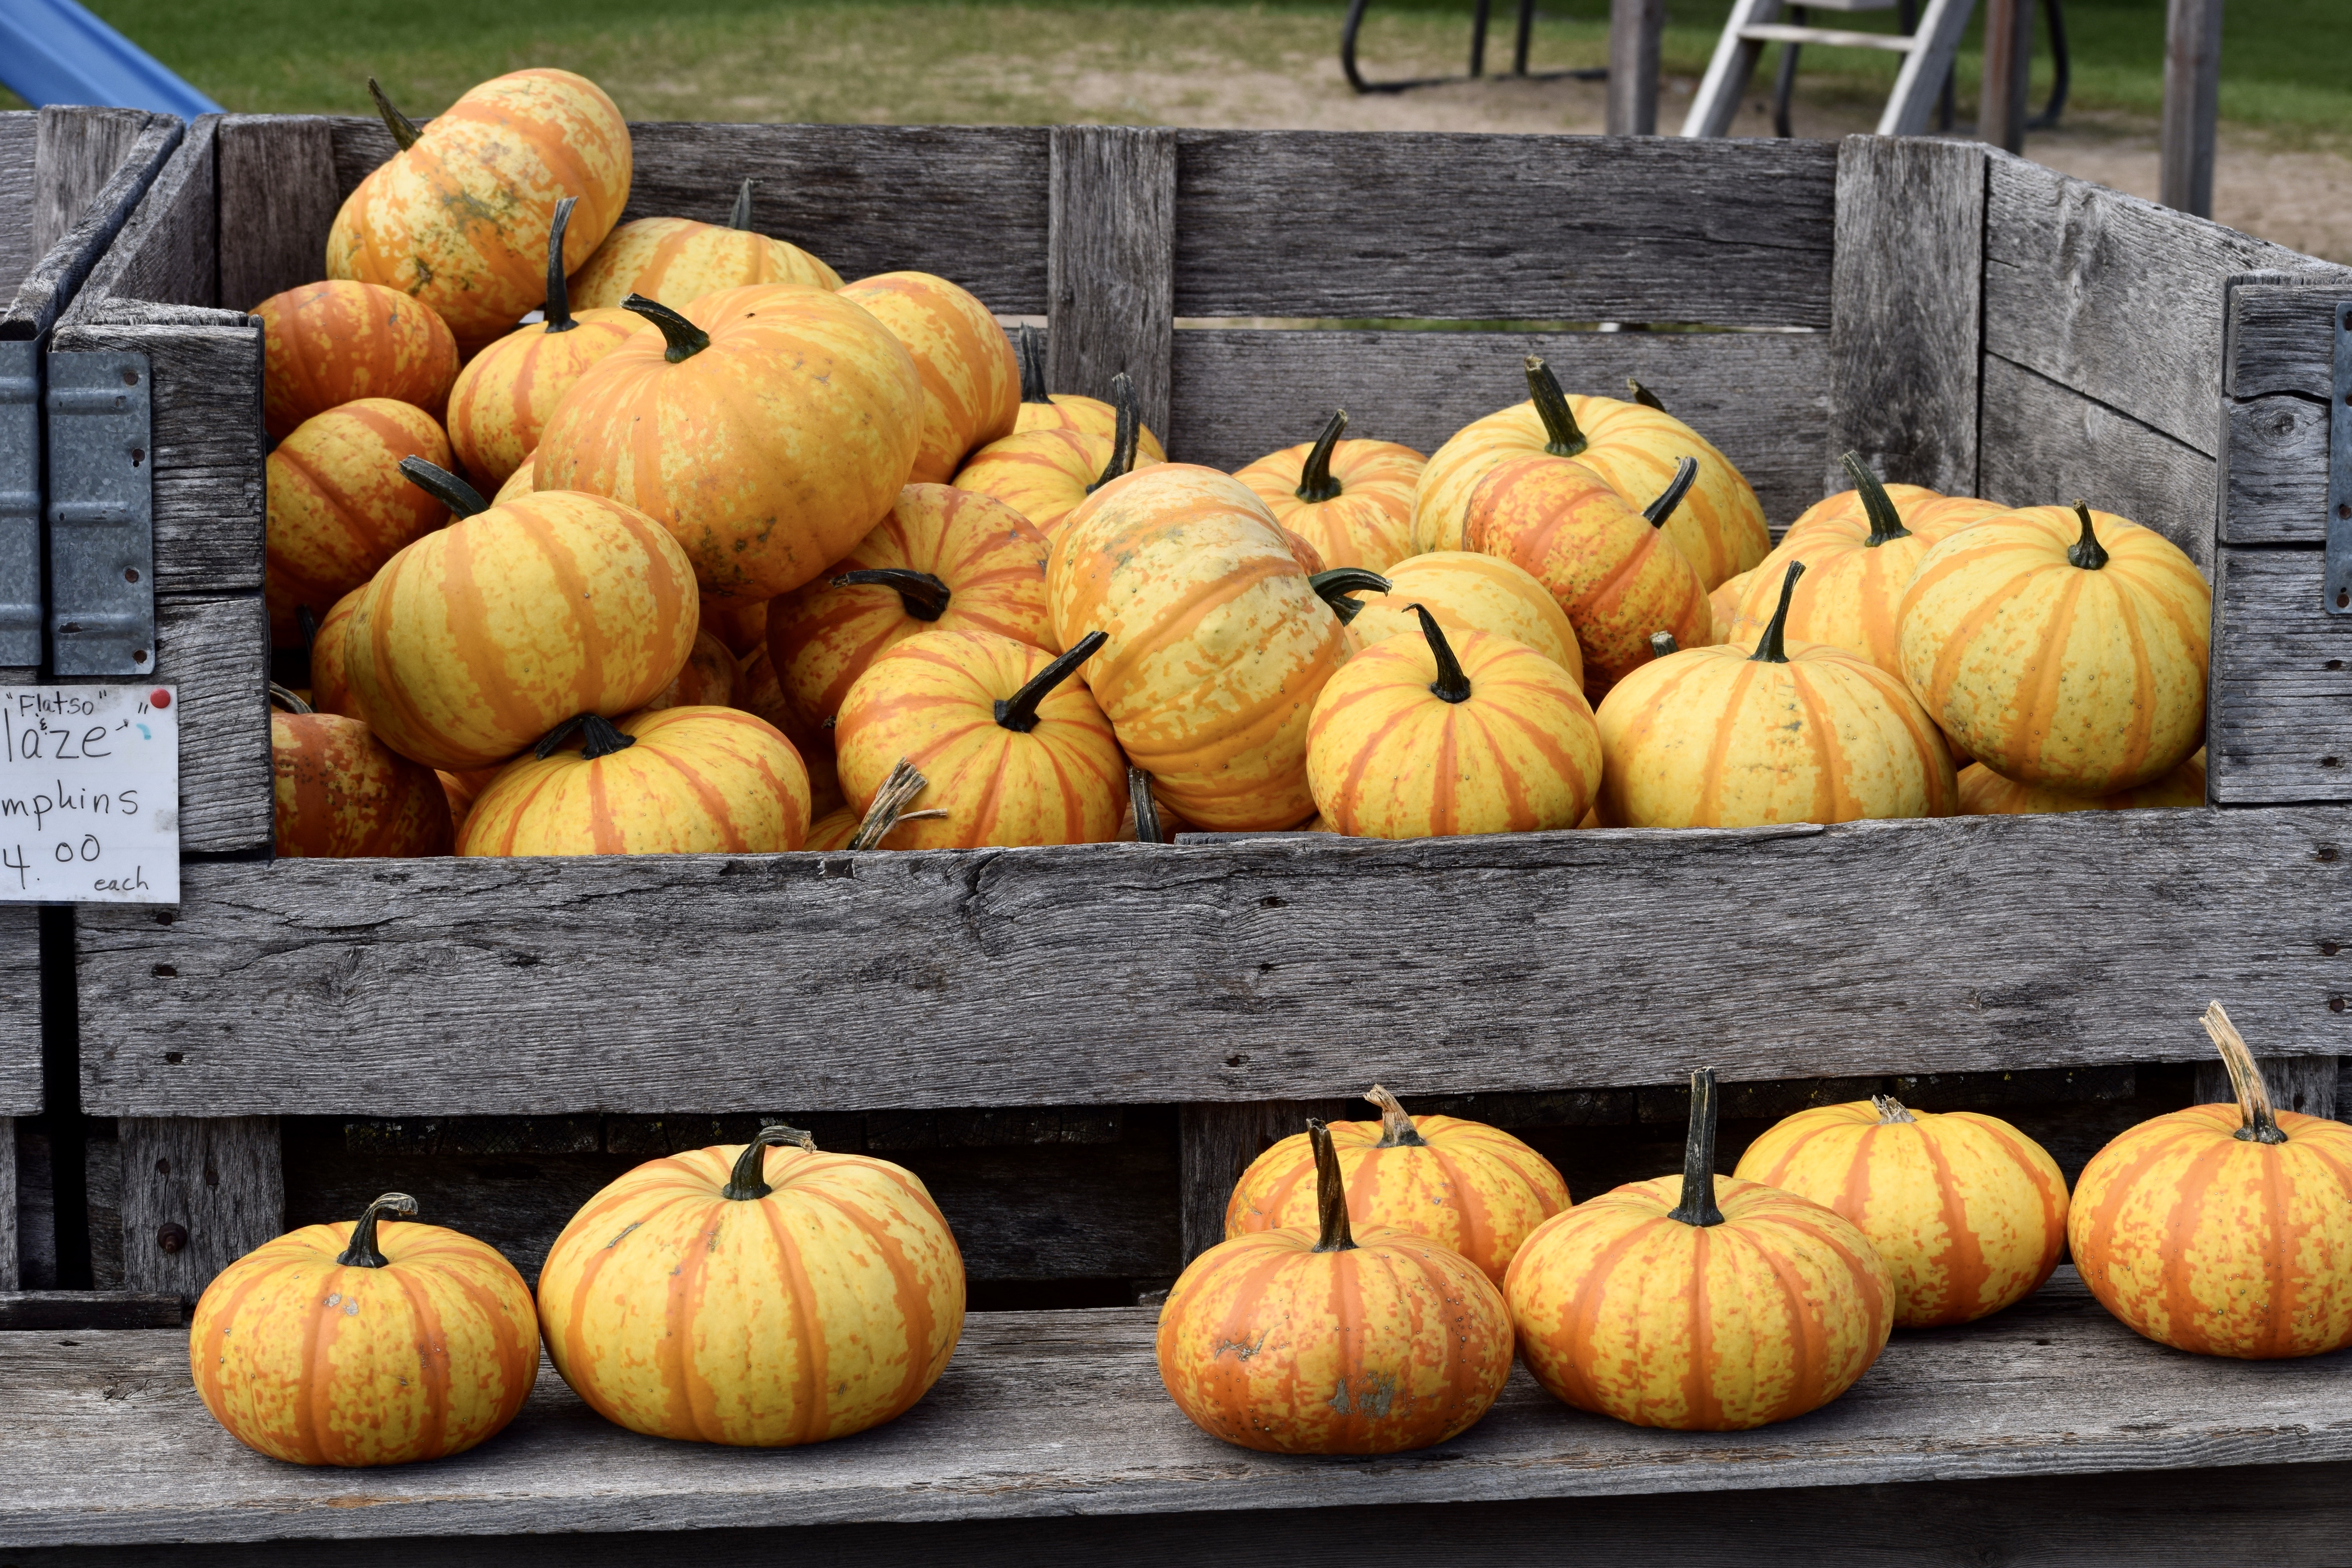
(90, 795)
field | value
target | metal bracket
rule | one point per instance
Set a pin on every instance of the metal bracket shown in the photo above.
(2338, 578)
(101, 516)
(20, 502)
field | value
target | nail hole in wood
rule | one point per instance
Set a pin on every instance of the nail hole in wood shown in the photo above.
(2331, 761)
(162, 1167)
(171, 1237)
(2335, 1004)
(172, 1059)
(2327, 853)
(165, 972)
(2330, 949)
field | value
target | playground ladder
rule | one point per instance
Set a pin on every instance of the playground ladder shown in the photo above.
(1927, 59)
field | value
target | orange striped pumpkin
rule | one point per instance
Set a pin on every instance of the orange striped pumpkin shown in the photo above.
(326, 344)
(710, 678)
(754, 1295)
(768, 427)
(741, 624)
(1067, 410)
(972, 385)
(522, 483)
(1724, 602)
(1699, 1302)
(940, 560)
(1984, 793)
(1465, 592)
(331, 686)
(1017, 752)
(459, 218)
(365, 1345)
(339, 507)
(666, 781)
(1321, 1338)
(2064, 648)
(678, 260)
(1471, 1188)
(1931, 514)
(462, 790)
(758, 691)
(341, 794)
(835, 829)
(1045, 475)
(1968, 1213)
(1352, 500)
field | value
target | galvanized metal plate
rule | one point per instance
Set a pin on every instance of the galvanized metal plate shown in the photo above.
(101, 515)
(20, 502)
(2338, 578)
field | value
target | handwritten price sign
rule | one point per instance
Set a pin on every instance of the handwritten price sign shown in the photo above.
(90, 795)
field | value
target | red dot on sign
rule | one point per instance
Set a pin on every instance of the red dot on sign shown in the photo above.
(159, 698)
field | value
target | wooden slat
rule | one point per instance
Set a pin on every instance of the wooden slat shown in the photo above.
(2281, 340)
(46, 1311)
(1759, 396)
(78, 150)
(59, 271)
(216, 650)
(1218, 1142)
(196, 1196)
(1906, 318)
(12, 1276)
(2275, 472)
(2306, 1085)
(20, 1010)
(168, 253)
(1111, 251)
(19, 132)
(277, 196)
(1422, 224)
(2279, 728)
(1127, 974)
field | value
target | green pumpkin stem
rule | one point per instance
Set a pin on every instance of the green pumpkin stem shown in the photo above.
(598, 738)
(1123, 433)
(1698, 1207)
(1685, 475)
(443, 485)
(1643, 396)
(405, 131)
(740, 218)
(1019, 711)
(685, 338)
(1565, 440)
(1886, 523)
(1032, 349)
(1773, 647)
(363, 1253)
(748, 1179)
(1890, 1110)
(558, 308)
(924, 596)
(1397, 1131)
(1147, 807)
(2086, 552)
(1315, 482)
(1330, 1193)
(1334, 587)
(1662, 644)
(1451, 685)
(2259, 1120)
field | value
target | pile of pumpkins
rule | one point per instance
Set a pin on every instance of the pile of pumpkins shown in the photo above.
(619, 538)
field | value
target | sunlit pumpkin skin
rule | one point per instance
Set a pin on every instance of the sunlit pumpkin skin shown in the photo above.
(697, 781)
(677, 261)
(1219, 643)
(983, 559)
(339, 507)
(1984, 793)
(2086, 678)
(1325, 1340)
(2210, 1240)
(708, 679)
(741, 624)
(506, 393)
(477, 640)
(971, 384)
(1968, 1213)
(342, 794)
(828, 1303)
(1724, 601)
(1352, 500)
(768, 451)
(1471, 1188)
(459, 218)
(317, 1362)
(1044, 475)
(326, 344)
(1467, 591)
(331, 686)
(933, 699)
(1419, 737)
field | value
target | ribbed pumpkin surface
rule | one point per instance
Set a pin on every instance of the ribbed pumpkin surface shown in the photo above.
(699, 781)
(1088, 415)
(1850, 590)
(1984, 793)
(1929, 513)
(1219, 646)
(829, 1306)
(339, 507)
(1623, 1311)
(2208, 1243)
(835, 829)
(1469, 592)
(326, 344)
(1369, 523)
(506, 393)
(1044, 474)
(342, 794)
(331, 686)
(477, 640)
(679, 260)
(461, 219)
(522, 483)
(971, 382)
(317, 1363)
(1966, 1213)
(710, 677)
(1724, 601)
(741, 624)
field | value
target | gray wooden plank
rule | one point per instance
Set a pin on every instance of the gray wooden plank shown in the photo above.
(1577, 228)
(1762, 397)
(168, 252)
(20, 1010)
(1907, 320)
(2302, 1084)
(77, 151)
(1216, 1144)
(2280, 339)
(196, 1196)
(216, 651)
(43, 1312)
(1129, 973)
(2280, 721)
(1109, 259)
(58, 271)
(2274, 472)
(19, 133)
(12, 1274)
(278, 198)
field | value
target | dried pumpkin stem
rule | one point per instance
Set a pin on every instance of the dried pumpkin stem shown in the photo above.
(558, 308)
(1685, 474)
(1147, 807)
(598, 738)
(1643, 394)
(1698, 1207)
(2259, 1120)
(1662, 644)
(740, 218)
(685, 338)
(924, 596)
(1330, 1193)
(1123, 433)
(362, 1252)
(287, 699)
(1019, 711)
(462, 499)
(1397, 1131)
(1334, 587)
(405, 131)
(1563, 439)
(1315, 481)
(890, 808)
(1886, 523)
(1773, 648)
(1451, 685)
(2086, 552)
(1890, 1110)
(748, 1179)
(1032, 349)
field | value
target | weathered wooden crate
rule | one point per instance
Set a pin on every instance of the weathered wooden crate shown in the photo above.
(1078, 1047)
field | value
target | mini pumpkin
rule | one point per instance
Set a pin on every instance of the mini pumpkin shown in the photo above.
(1352, 500)
(340, 506)
(326, 344)
(1046, 474)
(331, 686)
(341, 794)
(679, 260)
(1984, 793)
(1464, 591)
(972, 384)
(1041, 410)
(710, 678)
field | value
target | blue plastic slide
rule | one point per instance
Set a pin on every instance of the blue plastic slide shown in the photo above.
(53, 51)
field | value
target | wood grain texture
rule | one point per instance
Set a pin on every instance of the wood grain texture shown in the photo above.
(278, 198)
(77, 151)
(216, 651)
(971, 978)
(1574, 228)
(217, 1181)
(1216, 1144)
(19, 137)
(59, 272)
(1762, 397)
(12, 1276)
(1906, 311)
(1110, 255)
(2274, 472)
(168, 253)
(20, 1010)
(2280, 337)
(2302, 1084)
(2279, 725)
(46, 1311)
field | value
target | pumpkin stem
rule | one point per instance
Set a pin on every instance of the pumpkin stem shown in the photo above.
(740, 218)
(1330, 1193)
(924, 596)
(1019, 711)
(405, 131)
(1773, 648)
(1565, 440)
(361, 1253)
(1122, 441)
(1698, 1207)
(1032, 348)
(1886, 523)
(287, 699)
(748, 1179)
(598, 738)
(890, 803)
(443, 485)
(1643, 396)
(1315, 482)
(1451, 685)
(2086, 552)
(558, 308)
(1147, 807)
(1890, 1110)
(1397, 1131)
(685, 338)
(2259, 1121)
(1334, 587)
(1662, 644)
(1658, 510)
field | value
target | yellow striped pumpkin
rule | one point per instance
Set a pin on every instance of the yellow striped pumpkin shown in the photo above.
(331, 686)
(1464, 591)
(522, 483)
(1984, 793)
(342, 794)
(741, 624)
(339, 507)
(326, 344)
(971, 386)
(710, 678)
(754, 1295)
(678, 260)
(1045, 475)
(1968, 1213)
(1068, 410)
(1352, 500)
